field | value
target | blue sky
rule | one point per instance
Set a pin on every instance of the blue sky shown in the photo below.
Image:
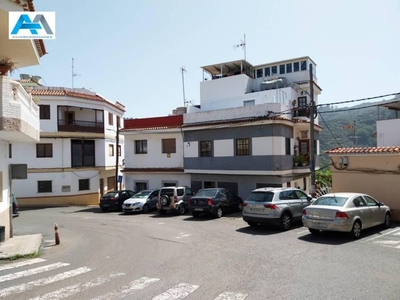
(131, 51)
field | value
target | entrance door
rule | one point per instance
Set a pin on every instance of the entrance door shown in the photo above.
(101, 186)
(304, 148)
(69, 117)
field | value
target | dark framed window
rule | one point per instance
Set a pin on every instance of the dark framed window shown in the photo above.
(141, 147)
(118, 121)
(119, 150)
(303, 65)
(44, 150)
(9, 150)
(82, 153)
(302, 102)
(259, 73)
(45, 186)
(110, 150)
(110, 119)
(281, 69)
(168, 146)
(44, 112)
(287, 146)
(84, 184)
(267, 71)
(296, 66)
(206, 149)
(274, 70)
(242, 147)
(140, 186)
(289, 68)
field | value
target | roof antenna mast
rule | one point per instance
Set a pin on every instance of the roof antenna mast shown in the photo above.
(73, 73)
(243, 45)
(183, 70)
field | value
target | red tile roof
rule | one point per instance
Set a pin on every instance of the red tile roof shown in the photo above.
(153, 170)
(365, 150)
(60, 91)
(174, 121)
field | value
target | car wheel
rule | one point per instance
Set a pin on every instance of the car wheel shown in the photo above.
(252, 224)
(313, 231)
(195, 214)
(181, 209)
(355, 232)
(145, 208)
(240, 206)
(162, 212)
(219, 212)
(104, 209)
(286, 221)
(388, 220)
(164, 200)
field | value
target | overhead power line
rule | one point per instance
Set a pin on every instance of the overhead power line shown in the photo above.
(359, 100)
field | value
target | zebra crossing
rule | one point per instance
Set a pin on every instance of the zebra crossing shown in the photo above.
(40, 266)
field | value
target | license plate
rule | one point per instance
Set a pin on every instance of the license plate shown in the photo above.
(198, 209)
(319, 225)
(106, 205)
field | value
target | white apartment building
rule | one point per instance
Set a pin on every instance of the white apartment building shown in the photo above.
(75, 161)
(19, 115)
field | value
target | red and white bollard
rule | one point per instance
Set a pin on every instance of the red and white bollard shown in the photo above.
(57, 238)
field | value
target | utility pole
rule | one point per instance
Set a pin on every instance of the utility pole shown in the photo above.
(116, 156)
(312, 148)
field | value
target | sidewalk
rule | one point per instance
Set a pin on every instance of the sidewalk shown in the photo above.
(20, 245)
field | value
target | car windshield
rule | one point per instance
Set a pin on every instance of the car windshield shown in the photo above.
(331, 201)
(206, 193)
(142, 194)
(111, 194)
(261, 196)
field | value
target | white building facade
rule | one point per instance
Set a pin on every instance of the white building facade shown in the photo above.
(77, 158)
(19, 115)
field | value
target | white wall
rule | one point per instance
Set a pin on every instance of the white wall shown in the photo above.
(387, 132)
(155, 181)
(223, 148)
(4, 181)
(191, 149)
(154, 158)
(29, 187)
(268, 145)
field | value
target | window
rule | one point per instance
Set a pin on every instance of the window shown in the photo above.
(110, 119)
(287, 146)
(370, 201)
(82, 153)
(259, 73)
(359, 201)
(45, 186)
(141, 147)
(168, 146)
(140, 186)
(296, 66)
(119, 150)
(44, 150)
(242, 147)
(118, 121)
(302, 102)
(267, 71)
(281, 69)
(289, 68)
(205, 149)
(249, 103)
(110, 150)
(44, 112)
(274, 70)
(84, 184)
(9, 150)
(303, 65)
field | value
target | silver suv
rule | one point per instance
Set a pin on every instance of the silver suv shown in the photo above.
(174, 199)
(277, 206)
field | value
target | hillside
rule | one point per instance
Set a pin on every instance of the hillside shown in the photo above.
(341, 125)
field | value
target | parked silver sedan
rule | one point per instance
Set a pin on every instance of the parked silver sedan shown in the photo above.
(143, 201)
(345, 212)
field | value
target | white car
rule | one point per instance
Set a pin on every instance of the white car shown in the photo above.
(144, 201)
(345, 212)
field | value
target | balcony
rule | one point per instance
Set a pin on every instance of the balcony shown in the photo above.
(19, 115)
(80, 126)
(301, 112)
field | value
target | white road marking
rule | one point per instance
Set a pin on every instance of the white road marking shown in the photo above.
(160, 223)
(387, 242)
(179, 291)
(303, 231)
(183, 235)
(381, 235)
(77, 288)
(32, 271)
(397, 233)
(135, 285)
(21, 264)
(231, 296)
(28, 286)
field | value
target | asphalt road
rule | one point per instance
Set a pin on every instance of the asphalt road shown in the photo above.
(146, 256)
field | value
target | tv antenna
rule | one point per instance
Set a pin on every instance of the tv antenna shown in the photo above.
(183, 71)
(73, 73)
(243, 45)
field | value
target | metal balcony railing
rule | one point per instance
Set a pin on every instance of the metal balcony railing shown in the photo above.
(80, 126)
